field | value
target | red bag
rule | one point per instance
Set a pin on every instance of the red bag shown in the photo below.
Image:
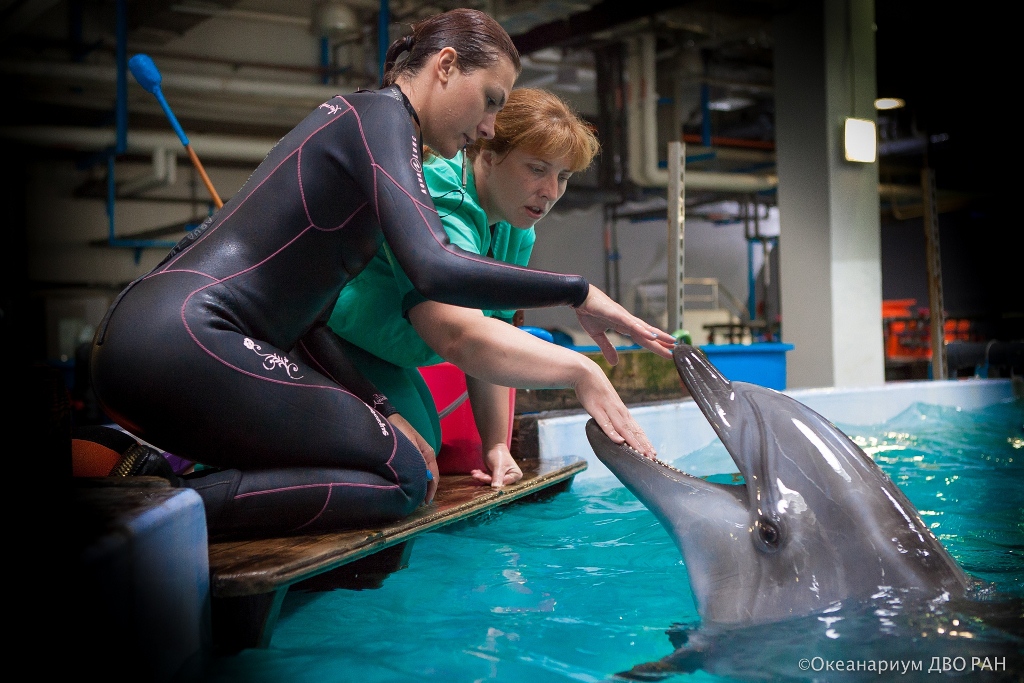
(461, 448)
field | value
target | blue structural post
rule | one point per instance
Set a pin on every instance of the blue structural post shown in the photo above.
(120, 111)
(122, 77)
(325, 59)
(751, 280)
(383, 37)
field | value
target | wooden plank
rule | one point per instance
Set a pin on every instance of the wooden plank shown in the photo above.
(254, 567)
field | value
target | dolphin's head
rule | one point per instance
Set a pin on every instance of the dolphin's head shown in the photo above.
(815, 520)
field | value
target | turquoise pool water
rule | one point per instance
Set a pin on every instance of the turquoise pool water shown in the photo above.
(588, 584)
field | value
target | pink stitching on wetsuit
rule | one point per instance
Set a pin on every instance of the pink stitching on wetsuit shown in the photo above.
(369, 155)
(327, 502)
(401, 188)
(313, 486)
(326, 373)
(463, 254)
(221, 219)
(318, 515)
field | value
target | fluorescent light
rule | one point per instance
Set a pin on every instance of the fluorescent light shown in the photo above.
(730, 103)
(889, 103)
(861, 140)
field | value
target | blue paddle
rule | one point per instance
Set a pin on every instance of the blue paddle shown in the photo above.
(148, 76)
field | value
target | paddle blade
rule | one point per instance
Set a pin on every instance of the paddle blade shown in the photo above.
(145, 72)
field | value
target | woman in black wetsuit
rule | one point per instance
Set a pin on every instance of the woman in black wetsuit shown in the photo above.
(221, 354)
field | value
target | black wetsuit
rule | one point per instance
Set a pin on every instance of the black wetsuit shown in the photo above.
(221, 354)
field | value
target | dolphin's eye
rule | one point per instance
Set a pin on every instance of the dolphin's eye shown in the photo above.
(768, 534)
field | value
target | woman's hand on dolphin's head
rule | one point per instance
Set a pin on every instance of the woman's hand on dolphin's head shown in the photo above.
(600, 313)
(425, 449)
(503, 469)
(599, 398)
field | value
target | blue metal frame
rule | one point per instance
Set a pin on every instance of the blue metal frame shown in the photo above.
(383, 36)
(121, 142)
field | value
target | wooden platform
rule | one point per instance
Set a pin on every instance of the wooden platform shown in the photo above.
(249, 579)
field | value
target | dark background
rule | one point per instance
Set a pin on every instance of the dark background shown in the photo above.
(955, 66)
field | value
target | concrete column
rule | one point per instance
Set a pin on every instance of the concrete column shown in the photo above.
(829, 239)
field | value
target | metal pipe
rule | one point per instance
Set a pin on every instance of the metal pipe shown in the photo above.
(642, 126)
(164, 174)
(189, 82)
(222, 147)
(633, 126)
(983, 355)
(649, 111)
(933, 261)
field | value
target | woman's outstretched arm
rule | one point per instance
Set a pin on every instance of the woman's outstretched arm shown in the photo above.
(494, 351)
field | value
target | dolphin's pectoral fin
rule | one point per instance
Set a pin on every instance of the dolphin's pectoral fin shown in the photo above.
(684, 660)
(691, 646)
(684, 635)
(652, 671)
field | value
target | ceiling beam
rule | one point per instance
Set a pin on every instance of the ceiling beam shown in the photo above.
(607, 14)
(580, 26)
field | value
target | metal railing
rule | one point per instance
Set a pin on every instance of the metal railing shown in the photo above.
(699, 293)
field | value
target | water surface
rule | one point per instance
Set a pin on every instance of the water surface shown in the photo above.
(589, 584)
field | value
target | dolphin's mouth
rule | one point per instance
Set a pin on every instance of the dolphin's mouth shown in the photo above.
(652, 459)
(604, 446)
(636, 469)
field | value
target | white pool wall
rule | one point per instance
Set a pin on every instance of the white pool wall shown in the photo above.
(678, 429)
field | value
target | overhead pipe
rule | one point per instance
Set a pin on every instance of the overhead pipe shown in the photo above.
(164, 174)
(649, 109)
(633, 139)
(983, 355)
(171, 81)
(642, 126)
(221, 147)
(642, 138)
(239, 149)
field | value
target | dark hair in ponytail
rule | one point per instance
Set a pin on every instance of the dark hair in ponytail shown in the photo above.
(478, 40)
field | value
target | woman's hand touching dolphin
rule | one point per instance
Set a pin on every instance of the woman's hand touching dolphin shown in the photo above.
(600, 313)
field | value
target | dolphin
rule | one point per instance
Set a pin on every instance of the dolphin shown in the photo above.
(814, 522)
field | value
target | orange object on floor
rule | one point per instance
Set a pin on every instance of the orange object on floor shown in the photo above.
(461, 448)
(908, 334)
(91, 459)
(96, 449)
(897, 308)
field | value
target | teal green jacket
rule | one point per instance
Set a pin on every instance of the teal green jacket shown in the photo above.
(370, 312)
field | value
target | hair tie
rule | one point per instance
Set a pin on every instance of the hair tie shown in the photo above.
(407, 42)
